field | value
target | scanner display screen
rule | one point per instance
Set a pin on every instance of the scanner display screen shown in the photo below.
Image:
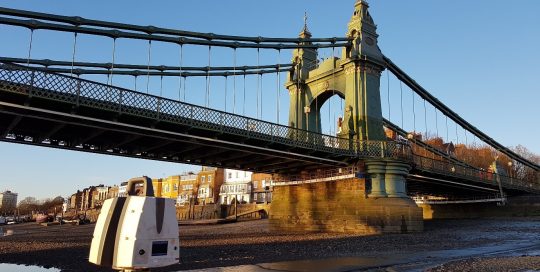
(159, 248)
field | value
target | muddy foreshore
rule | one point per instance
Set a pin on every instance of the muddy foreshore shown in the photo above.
(66, 247)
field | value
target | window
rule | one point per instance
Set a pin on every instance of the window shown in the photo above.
(175, 186)
(203, 179)
(209, 179)
(236, 174)
(264, 183)
(255, 184)
(255, 197)
(229, 175)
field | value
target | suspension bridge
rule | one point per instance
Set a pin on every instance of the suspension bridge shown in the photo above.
(60, 104)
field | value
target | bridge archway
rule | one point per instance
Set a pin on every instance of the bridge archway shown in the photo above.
(325, 99)
(355, 77)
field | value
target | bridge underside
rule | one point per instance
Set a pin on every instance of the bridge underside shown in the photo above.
(116, 135)
(422, 182)
(37, 116)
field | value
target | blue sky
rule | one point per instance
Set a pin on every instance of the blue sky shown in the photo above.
(478, 57)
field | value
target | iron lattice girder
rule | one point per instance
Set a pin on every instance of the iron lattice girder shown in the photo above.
(137, 107)
(86, 139)
(203, 156)
(446, 170)
(402, 76)
(236, 159)
(127, 140)
(12, 125)
(449, 183)
(74, 121)
(155, 146)
(51, 132)
(283, 167)
(260, 161)
(421, 143)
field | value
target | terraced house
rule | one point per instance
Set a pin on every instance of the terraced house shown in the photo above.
(169, 187)
(210, 180)
(262, 187)
(237, 186)
(188, 188)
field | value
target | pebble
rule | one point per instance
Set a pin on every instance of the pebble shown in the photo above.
(251, 242)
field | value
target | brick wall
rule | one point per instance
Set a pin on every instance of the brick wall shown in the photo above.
(198, 212)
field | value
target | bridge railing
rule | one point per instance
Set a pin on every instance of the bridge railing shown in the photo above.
(469, 173)
(79, 92)
(316, 176)
(453, 200)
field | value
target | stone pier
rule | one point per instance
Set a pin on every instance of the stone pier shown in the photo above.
(346, 206)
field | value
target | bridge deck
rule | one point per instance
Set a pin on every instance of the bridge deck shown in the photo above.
(42, 108)
(47, 109)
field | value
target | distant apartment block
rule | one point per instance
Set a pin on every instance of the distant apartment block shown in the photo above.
(8, 201)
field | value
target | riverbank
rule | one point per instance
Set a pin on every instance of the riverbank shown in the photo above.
(250, 242)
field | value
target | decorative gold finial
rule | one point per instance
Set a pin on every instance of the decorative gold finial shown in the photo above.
(358, 2)
(305, 32)
(305, 21)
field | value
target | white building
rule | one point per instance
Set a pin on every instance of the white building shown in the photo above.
(8, 201)
(102, 195)
(122, 189)
(236, 185)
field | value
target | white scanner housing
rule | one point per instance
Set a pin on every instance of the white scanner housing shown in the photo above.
(136, 232)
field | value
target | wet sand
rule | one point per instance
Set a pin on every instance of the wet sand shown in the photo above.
(244, 243)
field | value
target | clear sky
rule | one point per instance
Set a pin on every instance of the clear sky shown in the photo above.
(480, 58)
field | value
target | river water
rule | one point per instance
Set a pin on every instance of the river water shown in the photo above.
(25, 268)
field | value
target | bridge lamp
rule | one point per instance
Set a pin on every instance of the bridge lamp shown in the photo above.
(409, 136)
(307, 110)
(510, 169)
(453, 169)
